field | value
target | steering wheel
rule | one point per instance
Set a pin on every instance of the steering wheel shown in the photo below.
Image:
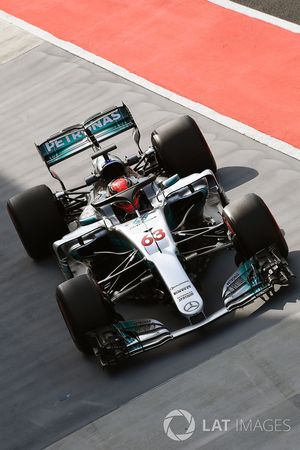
(126, 196)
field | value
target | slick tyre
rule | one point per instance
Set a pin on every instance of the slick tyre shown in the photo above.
(38, 220)
(83, 308)
(253, 226)
(181, 147)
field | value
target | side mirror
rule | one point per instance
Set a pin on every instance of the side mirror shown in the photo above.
(131, 160)
(137, 137)
(91, 180)
(56, 176)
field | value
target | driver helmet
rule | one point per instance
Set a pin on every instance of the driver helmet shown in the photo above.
(111, 168)
(119, 185)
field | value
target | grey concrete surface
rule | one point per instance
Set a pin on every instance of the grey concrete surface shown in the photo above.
(243, 386)
(285, 9)
(47, 389)
(14, 42)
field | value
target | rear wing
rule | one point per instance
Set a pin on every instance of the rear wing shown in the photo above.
(91, 133)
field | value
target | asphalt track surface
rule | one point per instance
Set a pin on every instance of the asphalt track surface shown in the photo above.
(48, 390)
(285, 9)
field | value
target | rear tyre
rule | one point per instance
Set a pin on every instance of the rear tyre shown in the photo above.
(83, 308)
(253, 226)
(181, 147)
(38, 220)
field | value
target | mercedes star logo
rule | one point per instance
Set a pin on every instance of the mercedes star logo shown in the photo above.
(191, 306)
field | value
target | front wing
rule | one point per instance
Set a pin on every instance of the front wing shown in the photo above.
(259, 277)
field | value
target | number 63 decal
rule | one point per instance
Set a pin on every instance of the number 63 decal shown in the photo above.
(157, 235)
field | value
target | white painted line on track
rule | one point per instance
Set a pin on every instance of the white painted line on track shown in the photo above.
(233, 124)
(228, 4)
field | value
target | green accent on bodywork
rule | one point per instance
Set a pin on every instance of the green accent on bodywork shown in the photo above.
(204, 189)
(244, 270)
(78, 138)
(63, 145)
(170, 181)
(126, 330)
(114, 122)
(73, 253)
(254, 282)
(65, 268)
(119, 243)
(88, 220)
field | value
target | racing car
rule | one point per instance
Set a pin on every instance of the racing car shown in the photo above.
(145, 225)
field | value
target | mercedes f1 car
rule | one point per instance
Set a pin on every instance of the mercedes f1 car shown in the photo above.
(145, 226)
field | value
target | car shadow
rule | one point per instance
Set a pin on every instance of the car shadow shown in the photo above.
(233, 176)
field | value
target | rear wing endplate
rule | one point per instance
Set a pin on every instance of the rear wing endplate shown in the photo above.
(91, 133)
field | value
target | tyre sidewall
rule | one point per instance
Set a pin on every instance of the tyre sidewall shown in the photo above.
(38, 220)
(181, 147)
(84, 309)
(254, 226)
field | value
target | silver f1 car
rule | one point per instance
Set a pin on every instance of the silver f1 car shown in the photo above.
(145, 226)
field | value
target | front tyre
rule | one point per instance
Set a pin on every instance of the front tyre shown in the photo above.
(83, 308)
(38, 220)
(253, 226)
